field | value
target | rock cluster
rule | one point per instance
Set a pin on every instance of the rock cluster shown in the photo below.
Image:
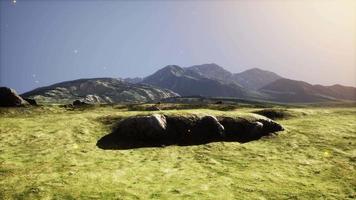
(158, 130)
(152, 127)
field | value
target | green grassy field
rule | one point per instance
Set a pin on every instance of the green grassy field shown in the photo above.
(50, 152)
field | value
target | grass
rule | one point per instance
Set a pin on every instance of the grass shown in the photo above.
(50, 153)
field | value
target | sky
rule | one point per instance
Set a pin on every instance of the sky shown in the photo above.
(45, 42)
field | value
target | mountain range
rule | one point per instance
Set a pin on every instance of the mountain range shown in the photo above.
(187, 82)
(209, 80)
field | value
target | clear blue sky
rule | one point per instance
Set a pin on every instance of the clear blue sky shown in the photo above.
(44, 42)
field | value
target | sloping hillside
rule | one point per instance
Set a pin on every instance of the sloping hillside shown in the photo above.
(98, 90)
(287, 90)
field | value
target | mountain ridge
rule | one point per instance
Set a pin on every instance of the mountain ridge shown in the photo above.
(300, 91)
(210, 80)
(186, 82)
(98, 90)
(254, 83)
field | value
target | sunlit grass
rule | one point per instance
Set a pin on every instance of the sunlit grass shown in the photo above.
(50, 153)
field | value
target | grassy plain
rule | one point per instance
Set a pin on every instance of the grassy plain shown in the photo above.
(50, 152)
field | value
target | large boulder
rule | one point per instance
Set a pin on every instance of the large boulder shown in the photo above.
(236, 129)
(9, 97)
(151, 127)
(270, 126)
(244, 130)
(180, 128)
(208, 128)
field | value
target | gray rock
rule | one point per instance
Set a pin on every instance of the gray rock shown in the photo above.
(209, 127)
(244, 130)
(256, 129)
(143, 127)
(270, 126)
(9, 98)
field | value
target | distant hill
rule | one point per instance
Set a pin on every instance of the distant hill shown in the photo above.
(189, 82)
(337, 91)
(255, 78)
(252, 79)
(98, 90)
(211, 71)
(287, 90)
(133, 80)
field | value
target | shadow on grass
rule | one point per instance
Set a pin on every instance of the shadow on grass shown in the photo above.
(145, 107)
(110, 142)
